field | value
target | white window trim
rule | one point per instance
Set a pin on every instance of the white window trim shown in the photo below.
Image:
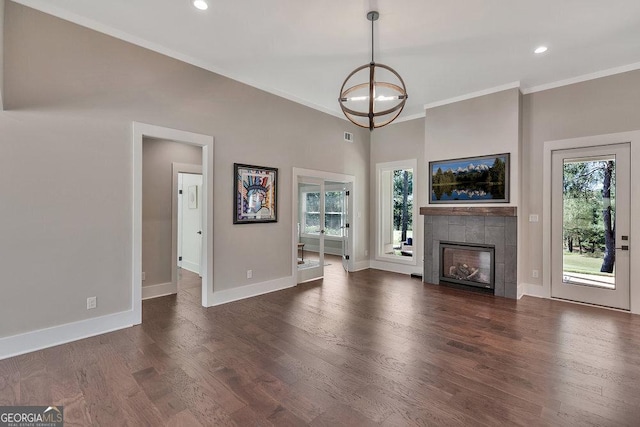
(379, 254)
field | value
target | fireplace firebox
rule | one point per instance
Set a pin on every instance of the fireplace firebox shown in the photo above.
(467, 264)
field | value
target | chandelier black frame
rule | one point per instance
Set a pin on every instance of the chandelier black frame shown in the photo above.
(371, 114)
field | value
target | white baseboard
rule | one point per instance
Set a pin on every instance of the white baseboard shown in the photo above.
(49, 337)
(396, 268)
(521, 290)
(535, 290)
(159, 290)
(361, 265)
(248, 291)
(192, 267)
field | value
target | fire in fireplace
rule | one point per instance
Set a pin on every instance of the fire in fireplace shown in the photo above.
(467, 264)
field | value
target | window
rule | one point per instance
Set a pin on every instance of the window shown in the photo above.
(334, 218)
(396, 215)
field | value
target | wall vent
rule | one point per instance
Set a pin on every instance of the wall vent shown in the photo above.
(348, 136)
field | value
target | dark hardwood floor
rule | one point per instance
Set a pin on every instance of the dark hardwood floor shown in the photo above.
(188, 279)
(361, 349)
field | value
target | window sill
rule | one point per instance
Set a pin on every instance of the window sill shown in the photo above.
(397, 259)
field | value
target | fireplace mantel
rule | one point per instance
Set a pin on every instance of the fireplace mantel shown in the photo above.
(470, 211)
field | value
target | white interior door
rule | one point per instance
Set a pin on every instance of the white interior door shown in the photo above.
(590, 223)
(190, 228)
(346, 231)
(311, 211)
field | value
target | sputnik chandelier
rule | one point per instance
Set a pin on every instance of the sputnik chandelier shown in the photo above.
(385, 100)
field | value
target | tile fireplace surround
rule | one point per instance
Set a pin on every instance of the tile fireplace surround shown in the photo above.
(496, 226)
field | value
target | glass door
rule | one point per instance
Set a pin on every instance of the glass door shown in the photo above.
(346, 228)
(590, 223)
(311, 214)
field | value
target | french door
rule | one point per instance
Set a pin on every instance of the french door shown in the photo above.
(590, 223)
(346, 228)
(311, 200)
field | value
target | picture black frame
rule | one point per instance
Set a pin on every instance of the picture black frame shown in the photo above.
(253, 185)
(478, 195)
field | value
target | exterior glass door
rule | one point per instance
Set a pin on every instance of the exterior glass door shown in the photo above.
(590, 225)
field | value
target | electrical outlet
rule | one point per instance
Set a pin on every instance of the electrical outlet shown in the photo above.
(249, 274)
(533, 218)
(366, 252)
(535, 274)
(144, 276)
(91, 303)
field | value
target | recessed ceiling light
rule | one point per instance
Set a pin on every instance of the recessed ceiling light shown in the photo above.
(541, 49)
(200, 4)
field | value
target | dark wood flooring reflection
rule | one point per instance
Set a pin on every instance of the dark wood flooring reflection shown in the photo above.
(188, 279)
(369, 348)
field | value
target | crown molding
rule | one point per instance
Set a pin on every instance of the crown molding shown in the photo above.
(472, 95)
(582, 78)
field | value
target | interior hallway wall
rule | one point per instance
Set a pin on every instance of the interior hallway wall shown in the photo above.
(157, 194)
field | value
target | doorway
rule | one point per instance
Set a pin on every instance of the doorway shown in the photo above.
(140, 132)
(324, 230)
(188, 196)
(590, 225)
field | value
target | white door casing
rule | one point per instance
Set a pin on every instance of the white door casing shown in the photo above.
(354, 226)
(562, 284)
(140, 131)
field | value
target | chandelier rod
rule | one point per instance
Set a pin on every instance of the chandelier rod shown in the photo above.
(372, 20)
(372, 16)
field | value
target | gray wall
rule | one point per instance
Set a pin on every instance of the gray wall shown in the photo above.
(480, 126)
(596, 107)
(71, 97)
(605, 105)
(401, 141)
(1, 53)
(157, 175)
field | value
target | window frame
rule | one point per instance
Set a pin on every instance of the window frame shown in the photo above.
(382, 205)
(304, 212)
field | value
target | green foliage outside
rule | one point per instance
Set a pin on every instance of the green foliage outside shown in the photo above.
(584, 229)
(402, 203)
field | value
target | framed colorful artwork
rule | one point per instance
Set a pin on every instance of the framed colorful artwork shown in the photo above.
(255, 194)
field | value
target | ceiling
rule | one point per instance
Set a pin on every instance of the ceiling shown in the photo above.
(303, 50)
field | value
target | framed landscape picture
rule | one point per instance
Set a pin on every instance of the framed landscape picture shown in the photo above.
(483, 179)
(255, 194)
